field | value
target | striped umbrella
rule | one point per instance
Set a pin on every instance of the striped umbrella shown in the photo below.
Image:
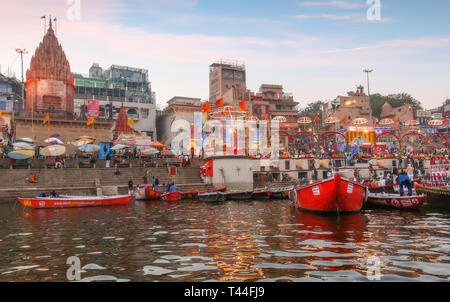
(53, 150)
(386, 121)
(304, 120)
(89, 148)
(21, 154)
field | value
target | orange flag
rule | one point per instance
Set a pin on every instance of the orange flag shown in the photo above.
(397, 120)
(243, 105)
(445, 121)
(227, 110)
(0, 113)
(266, 116)
(46, 119)
(130, 121)
(344, 119)
(219, 103)
(206, 107)
(374, 121)
(90, 121)
(316, 119)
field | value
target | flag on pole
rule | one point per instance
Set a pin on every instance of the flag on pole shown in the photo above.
(219, 102)
(0, 113)
(227, 110)
(266, 116)
(344, 119)
(374, 121)
(46, 119)
(130, 121)
(316, 119)
(397, 121)
(243, 105)
(90, 121)
(206, 107)
(445, 121)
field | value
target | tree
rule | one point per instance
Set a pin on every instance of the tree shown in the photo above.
(395, 100)
(313, 109)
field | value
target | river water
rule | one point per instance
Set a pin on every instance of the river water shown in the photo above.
(229, 241)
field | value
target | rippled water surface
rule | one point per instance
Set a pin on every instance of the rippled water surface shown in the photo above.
(194, 241)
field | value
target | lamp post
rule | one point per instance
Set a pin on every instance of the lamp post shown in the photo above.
(367, 71)
(22, 52)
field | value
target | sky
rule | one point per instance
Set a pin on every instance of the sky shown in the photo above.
(315, 49)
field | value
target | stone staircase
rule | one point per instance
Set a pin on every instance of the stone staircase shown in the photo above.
(75, 181)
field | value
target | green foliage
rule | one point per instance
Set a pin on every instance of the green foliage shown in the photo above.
(313, 109)
(395, 100)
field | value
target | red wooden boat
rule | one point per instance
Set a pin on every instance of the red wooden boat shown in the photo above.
(172, 196)
(74, 201)
(396, 201)
(336, 194)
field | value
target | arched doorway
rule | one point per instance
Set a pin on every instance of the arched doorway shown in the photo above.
(332, 143)
(414, 143)
(437, 144)
(306, 143)
(387, 144)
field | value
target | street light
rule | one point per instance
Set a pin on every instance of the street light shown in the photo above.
(367, 71)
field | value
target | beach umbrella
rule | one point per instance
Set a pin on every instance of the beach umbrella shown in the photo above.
(411, 123)
(435, 122)
(82, 143)
(386, 121)
(331, 120)
(89, 148)
(360, 121)
(85, 136)
(280, 119)
(21, 154)
(304, 120)
(25, 139)
(119, 147)
(53, 150)
(54, 140)
(149, 151)
(22, 145)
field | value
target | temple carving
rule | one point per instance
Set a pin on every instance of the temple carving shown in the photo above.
(50, 84)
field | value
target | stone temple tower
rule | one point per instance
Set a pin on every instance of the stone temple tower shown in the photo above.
(50, 84)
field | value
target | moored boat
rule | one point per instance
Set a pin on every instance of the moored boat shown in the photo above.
(146, 194)
(171, 196)
(261, 194)
(239, 195)
(396, 201)
(74, 201)
(334, 195)
(212, 196)
(390, 189)
(280, 193)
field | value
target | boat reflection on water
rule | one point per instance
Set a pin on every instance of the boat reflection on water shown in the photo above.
(332, 243)
(52, 213)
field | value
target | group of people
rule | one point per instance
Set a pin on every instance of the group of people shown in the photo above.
(167, 188)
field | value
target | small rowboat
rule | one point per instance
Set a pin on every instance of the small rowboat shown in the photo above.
(190, 194)
(212, 196)
(146, 194)
(172, 196)
(396, 201)
(390, 189)
(334, 195)
(239, 195)
(281, 193)
(74, 201)
(261, 194)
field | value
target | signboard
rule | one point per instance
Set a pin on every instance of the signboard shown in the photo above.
(93, 108)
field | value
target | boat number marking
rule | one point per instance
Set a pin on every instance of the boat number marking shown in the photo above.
(316, 190)
(350, 188)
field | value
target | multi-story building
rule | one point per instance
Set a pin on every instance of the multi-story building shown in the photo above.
(227, 80)
(10, 94)
(352, 107)
(177, 108)
(272, 101)
(114, 86)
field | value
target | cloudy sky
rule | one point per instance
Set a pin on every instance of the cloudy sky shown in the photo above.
(315, 49)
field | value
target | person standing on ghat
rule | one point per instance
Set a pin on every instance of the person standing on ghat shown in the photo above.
(130, 186)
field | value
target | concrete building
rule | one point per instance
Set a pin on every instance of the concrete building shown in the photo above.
(352, 107)
(402, 113)
(10, 94)
(227, 80)
(178, 107)
(114, 86)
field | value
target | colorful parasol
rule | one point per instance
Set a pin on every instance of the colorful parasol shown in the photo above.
(386, 121)
(435, 123)
(25, 139)
(119, 147)
(22, 145)
(149, 151)
(304, 120)
(167, 153)
(21, 154)
(360, 121)
(89, 148)
(411, 123)
(331, 120)
(54, 140)
(280, 119)
(54, 150)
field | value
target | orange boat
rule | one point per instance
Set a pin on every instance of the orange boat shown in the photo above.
(338, 195)
(172, 196)
(74, 201)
